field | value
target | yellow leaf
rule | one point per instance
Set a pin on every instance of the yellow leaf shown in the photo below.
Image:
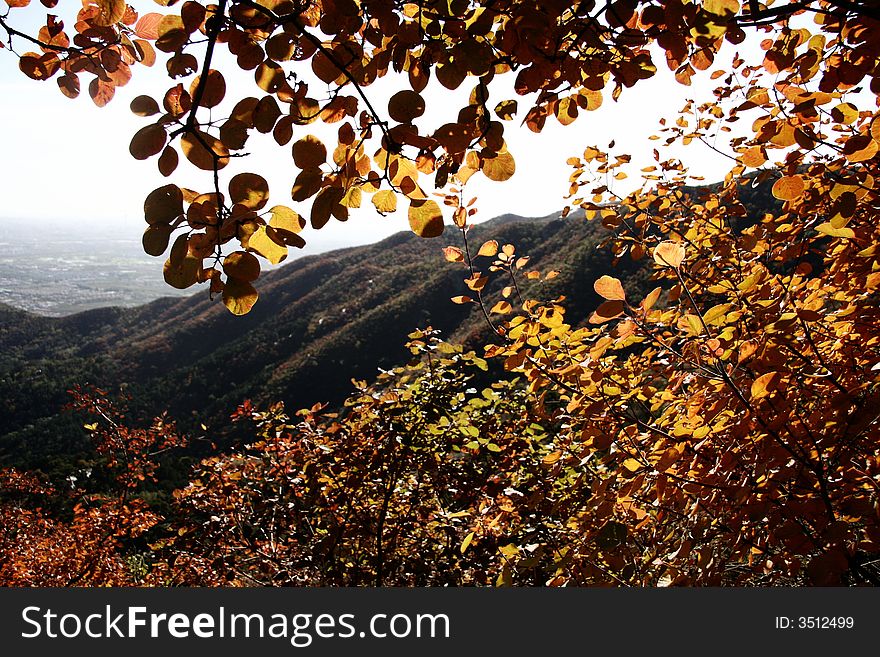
(765, 384)
(716, 313)
(499, 168)
(261, 243)
(830, 230)
(239, 296)
(632, 465)
(651, 299)
(721, 7)
(283, 218)
(609, 288)
(466, 542)
(425, 218)
(385, 201)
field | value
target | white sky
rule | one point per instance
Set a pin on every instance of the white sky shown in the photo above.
(67, 161)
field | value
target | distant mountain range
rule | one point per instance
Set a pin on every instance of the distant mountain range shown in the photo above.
(320, 321)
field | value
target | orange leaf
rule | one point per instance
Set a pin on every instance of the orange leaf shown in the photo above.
(607, 311)
(609, 288)
(788, 188)
(669, 254)
(453, 254)
(489, 249)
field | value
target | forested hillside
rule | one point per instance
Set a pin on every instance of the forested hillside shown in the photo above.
(327, 319)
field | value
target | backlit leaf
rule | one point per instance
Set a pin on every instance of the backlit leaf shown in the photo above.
(163, 205)
(506, 109)
(242, 265)
(145, 106)
(148, 141)
(260, 242)
(155, 239)
(828, 229)
(488, 249)
(669, 254)
(204, 150)
(109, 12)
(765, 384)
(283, 218)
(788, 188)
(406, 105)
(250, 190)
(498, 168)
(214, 89)
(239, 296)
(425, 218)
(385, 201)
(453, 254)
(607, 311)
(609, 288)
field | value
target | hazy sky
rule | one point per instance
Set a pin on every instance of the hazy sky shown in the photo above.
(67, 161)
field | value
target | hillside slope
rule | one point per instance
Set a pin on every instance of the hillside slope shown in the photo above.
(321, 321)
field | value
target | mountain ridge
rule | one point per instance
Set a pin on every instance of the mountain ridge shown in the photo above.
(321, 321)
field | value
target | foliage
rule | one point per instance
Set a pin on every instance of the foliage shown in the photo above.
(39, 546)
(721, 429)
(315, 62)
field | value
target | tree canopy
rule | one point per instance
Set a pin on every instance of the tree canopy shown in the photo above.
(316, 61)
(719, 429)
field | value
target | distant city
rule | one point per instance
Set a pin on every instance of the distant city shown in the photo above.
(55, 269)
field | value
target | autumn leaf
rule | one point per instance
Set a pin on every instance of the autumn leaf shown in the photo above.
(788, 188)
(250, 190)
(607, 311)
(385, 201)
(406, 105)
(488, 249)
(204, 151)
(765, 384)
(239, 296)
(260, 242)
(609, 288)
(425, 218)
(498, 168)
(309, 152)
(242, 265)
(453, 254)
(669, 254)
